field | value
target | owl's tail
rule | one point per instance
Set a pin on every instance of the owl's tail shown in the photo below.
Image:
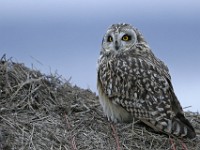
(182, 127)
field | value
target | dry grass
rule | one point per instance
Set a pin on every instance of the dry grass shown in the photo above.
(45, 112)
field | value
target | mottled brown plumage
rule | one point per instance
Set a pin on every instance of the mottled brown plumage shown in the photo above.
(134, 84)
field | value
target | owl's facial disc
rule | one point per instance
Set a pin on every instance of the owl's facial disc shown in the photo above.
(119, 41)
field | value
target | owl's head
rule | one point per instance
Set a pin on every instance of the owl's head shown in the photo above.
(119, 37)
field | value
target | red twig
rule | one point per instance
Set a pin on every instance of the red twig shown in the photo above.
(74, 143)
(115, 136)
(172, 143)
(184, 146)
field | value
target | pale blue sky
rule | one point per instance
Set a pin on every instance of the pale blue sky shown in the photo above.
(66, 36)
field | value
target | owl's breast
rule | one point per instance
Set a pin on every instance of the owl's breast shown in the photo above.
(117, 78)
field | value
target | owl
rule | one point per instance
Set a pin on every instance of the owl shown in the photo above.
(133, 84)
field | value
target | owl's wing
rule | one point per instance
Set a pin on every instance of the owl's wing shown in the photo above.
(144, 89)
(141, 83)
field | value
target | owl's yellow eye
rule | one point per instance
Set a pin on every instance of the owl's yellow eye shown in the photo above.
(126, 37)
(110, 39)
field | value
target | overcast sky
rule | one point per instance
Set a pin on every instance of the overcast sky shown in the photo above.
(65, 36)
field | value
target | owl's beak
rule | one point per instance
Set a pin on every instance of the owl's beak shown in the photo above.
(117, 45)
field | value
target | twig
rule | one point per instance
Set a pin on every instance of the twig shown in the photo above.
(74, 143)
(73, 137)
(152, 142)
(184, 146)
(172, 143)
(31, 138)
(67, 121)
(115, 136)
(9, 122)
(28, 81)
(187, 107)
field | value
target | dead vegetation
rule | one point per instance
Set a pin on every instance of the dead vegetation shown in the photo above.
(45, 112)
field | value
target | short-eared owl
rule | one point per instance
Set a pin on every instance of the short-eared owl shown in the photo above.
(134, 84)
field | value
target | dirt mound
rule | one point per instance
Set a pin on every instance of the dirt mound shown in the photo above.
(46, 112)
